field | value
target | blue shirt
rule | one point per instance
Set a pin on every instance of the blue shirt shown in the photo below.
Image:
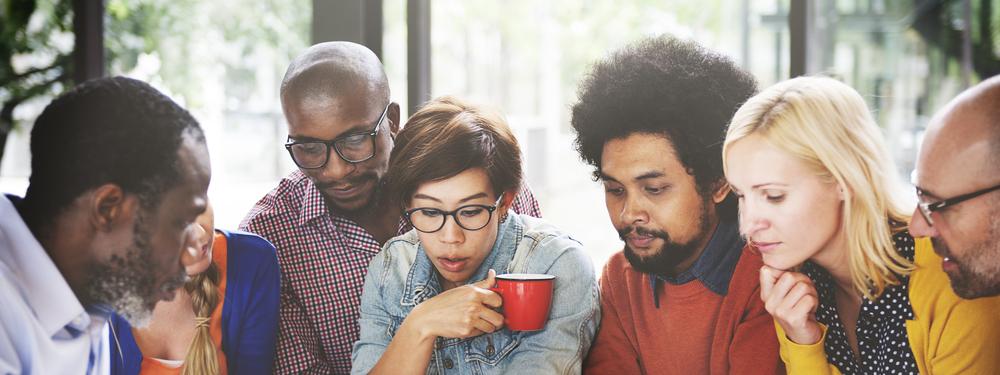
(249, 314)
(714, 267)
(44, 329)
(402, 276)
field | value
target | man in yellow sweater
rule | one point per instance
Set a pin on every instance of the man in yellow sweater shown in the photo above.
(958, 182)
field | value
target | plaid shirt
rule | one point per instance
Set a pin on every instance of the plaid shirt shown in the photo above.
(323, 259)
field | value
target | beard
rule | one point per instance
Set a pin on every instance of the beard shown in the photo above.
(128, 283)
(978, 272)
(666, 259)
(369, 204)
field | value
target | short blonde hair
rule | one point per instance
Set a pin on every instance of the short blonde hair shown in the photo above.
(826, 124)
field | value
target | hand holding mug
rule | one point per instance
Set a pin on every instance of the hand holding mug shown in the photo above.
(791, 298)
(465, 311)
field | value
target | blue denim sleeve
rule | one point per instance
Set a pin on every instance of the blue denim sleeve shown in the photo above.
(375, 322)
(573, 319)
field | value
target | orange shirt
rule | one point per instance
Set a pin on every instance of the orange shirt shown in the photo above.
(151, 366)
(694, 331)
(688, 312)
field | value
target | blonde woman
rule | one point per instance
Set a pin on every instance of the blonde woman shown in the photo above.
(850, 290)
(224, 319)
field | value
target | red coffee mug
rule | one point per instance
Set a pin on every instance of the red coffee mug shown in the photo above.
(527, 298)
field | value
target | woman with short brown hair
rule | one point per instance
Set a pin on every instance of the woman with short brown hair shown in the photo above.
(454, 171)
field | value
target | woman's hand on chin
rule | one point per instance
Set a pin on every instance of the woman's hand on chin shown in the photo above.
(791, 298)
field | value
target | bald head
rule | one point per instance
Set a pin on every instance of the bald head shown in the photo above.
(966, 130)
(331, 93)
(328, 72)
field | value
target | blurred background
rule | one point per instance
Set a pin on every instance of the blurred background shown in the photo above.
(224, 59)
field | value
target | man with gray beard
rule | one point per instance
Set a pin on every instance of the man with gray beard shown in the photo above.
(958, 183)
(119, 174)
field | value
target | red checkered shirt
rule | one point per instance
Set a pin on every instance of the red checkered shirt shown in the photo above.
(323, 259)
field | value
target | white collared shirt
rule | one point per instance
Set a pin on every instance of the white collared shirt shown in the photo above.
(43, 327)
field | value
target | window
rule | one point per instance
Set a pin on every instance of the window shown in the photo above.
(223, 61)
(525, 58)
(891, 52)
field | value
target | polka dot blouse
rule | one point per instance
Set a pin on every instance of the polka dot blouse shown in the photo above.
(881, 330)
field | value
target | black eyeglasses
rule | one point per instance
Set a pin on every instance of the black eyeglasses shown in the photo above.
(470, 217)
(353, 148)
(926, 209)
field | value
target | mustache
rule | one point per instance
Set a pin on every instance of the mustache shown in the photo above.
(358, 180)
(641, 231)
(940, 248)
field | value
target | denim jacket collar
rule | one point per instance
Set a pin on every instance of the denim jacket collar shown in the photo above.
(402, 276)
(422, 281)
(714, 267)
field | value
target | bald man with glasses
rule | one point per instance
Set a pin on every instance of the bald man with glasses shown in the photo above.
(327, 219)
(958, 184)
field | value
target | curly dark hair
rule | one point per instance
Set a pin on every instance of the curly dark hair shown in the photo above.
(665, 86)
(109, 130)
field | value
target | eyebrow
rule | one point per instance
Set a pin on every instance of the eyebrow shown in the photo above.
(463, 200)
(355, 130)
(923, 192)
(195, 208)
(644, 176)
(649, 175)
(758, 186)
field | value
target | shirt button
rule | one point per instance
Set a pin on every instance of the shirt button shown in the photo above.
(489, 350)
(448, 364)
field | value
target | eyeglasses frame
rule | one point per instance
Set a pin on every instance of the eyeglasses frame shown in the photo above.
(927, 208)
(452, 213)
(333, 143)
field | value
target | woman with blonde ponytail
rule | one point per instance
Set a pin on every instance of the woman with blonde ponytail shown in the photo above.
(204, 291)
(223, 321)
(850, 290)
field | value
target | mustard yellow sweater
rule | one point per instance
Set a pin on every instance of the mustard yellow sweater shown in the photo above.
(949, 335)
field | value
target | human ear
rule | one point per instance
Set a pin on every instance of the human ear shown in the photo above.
(106, 206)
(720, 190)
(505, 203)
(393, 119)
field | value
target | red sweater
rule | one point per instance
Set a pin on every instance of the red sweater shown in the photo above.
(694, 331)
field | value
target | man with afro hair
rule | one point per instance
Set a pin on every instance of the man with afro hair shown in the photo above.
(682, 297)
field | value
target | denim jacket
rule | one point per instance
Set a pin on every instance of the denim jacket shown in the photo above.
(402, 276)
